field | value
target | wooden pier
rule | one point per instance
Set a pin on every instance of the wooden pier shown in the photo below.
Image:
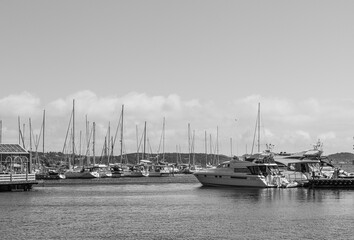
(332, 183)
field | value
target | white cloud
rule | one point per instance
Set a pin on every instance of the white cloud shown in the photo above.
(20, 104)
(327, 136)
(290, 125)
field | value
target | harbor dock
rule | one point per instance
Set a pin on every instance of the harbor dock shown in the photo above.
(332, 183)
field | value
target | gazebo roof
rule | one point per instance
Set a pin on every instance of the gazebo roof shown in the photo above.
(12, 149)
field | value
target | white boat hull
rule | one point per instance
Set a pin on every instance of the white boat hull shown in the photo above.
(233, 180)
(81, 175)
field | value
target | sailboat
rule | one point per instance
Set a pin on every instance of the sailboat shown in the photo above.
(129, 170)
(81, 172)
(160, 168)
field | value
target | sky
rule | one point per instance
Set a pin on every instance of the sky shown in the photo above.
(203, 64)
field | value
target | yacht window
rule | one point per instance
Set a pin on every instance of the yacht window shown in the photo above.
(242, 170)
(254, 170)
(273, 170)
(292, 166)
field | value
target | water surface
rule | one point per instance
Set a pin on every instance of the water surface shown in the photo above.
(162, 209)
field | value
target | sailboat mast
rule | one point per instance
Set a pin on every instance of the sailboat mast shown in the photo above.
(217, 144)
(93, 142)
(189, 143)
(109, 143)
(30, 160)
(73, 134)
(163, 140)
(206, 148)
(43, 129)
(144, 140)
(259, 127)
(0, 131)
(121, 137)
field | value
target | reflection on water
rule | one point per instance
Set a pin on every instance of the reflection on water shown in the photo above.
(175, 211)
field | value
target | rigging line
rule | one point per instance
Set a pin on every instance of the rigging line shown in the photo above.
(89, 142)
(104, 147)
(67, 132)
(141, 140)
(118, 126)
(254, 136)
(161, 138)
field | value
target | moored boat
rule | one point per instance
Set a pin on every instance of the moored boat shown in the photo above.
(82, 173)
(51, 174)
(238, 173)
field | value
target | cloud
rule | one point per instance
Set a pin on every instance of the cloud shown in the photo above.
(20, 104)
(327, 136)
(288, 124)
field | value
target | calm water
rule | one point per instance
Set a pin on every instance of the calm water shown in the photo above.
(180, 210)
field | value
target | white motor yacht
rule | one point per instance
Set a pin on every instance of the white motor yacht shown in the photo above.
(261, 173)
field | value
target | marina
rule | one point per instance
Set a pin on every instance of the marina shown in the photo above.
(142, 120)
(173, 208)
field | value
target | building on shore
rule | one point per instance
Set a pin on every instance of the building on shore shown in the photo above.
(15, 168)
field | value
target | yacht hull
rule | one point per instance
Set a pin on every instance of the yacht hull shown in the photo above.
(81, 175)
(232, 181)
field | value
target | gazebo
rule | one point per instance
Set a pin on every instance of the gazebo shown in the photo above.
(15, 168)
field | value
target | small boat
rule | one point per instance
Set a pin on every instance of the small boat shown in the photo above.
(185, 168)
(82, 173)
(132, 171)
(239, 173)
(50, 174)
(116, 171)
(159, 171)
(103, 170)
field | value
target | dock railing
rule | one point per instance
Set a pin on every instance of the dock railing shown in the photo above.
(17, 177)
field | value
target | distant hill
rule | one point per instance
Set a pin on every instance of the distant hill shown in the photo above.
(58, 158)
(342, 157)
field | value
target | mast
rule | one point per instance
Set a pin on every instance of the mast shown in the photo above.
(217, 144)
(30, 129)
(144, 140)
(121, 137)
(193, 152)
(19, 130)
(86, 137)
(189, 143)
(137, 144)
(93, 142)
(43, 130)
(23, 132)
(211, 150)
(259, 127)
(0, 131)
(163, 140)
(73, 134)
(206, 148)
(108, 142)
